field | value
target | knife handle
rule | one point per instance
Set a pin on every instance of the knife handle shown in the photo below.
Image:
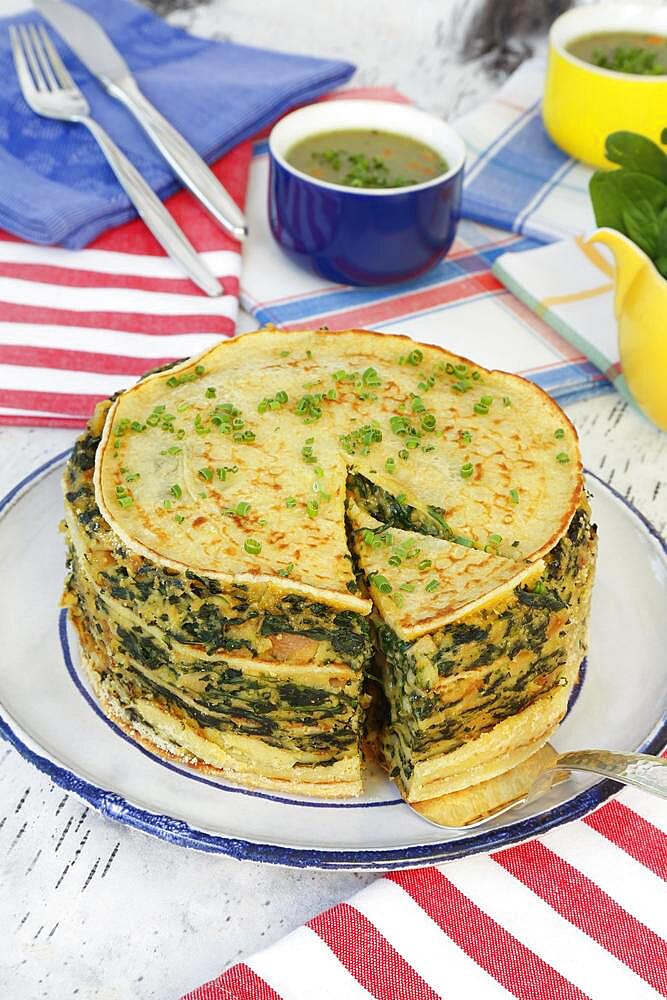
(153, 212)
(184, 160)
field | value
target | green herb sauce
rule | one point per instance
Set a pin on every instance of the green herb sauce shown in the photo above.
(366, 158)
(623, 51)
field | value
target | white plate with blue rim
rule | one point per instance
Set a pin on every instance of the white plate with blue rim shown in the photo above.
(48, 713)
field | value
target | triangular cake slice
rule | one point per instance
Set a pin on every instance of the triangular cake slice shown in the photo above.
(420, 583)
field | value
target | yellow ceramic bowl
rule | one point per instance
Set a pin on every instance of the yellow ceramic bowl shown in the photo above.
(582, 103)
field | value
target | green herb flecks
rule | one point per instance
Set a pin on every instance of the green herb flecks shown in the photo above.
(631, 59)
(381, 583)
(187, 376)
(361, 439)
(270, 403)
(124, 498)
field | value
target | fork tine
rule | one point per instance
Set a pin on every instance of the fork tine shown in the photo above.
(26, 81)
(26, 41)
(58, 65)
(42, 57)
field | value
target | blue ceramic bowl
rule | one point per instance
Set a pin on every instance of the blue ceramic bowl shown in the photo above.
(364, 236)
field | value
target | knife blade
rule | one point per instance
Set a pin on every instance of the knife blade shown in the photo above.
(94, 48)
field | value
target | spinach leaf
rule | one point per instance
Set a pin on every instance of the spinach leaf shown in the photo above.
(633, 199)
(660, 258)
(636, 152)
(644, 200)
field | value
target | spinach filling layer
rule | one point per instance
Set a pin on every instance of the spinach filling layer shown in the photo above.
(395, 513)
(281, 712)
(447, 688)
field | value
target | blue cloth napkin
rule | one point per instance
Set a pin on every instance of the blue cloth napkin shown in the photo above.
(56, 186)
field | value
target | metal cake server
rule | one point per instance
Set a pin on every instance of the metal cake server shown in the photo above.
(98, 53)
(51, 92)
(639, 769)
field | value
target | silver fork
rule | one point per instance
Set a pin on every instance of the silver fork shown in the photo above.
(51, 92)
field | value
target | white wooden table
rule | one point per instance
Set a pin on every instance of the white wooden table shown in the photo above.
(91, 909)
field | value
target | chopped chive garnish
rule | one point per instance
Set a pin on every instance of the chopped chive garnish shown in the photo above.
(562, 457)
(466, 436)
(417, 405)
(312, 508)
(415, 358)
(273, 402)
(286, 570)
(210, 392)
(290, 502)
(176, 491)
(495, 539)
(131, 477)
(206, 474)
(371, 378)
(462, 540)
(428, 422)
(407, 587)
(507, 401)
(178, 518)
(480, 408)
(252, 546)
(560, 433)
(175, 380)
(390, 464)
(514, 496)
(173, 450)
(425, 563)
(431, 586)
(242, 508)
(467, 470)
(394, 560)
(381, 583)
(167, 504)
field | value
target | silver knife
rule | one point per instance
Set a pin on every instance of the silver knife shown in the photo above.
(98, 53)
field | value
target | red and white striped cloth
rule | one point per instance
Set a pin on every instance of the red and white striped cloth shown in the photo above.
(578, 913)
(78, 325)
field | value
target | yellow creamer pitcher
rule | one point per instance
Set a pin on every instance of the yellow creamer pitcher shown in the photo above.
(641, 312)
